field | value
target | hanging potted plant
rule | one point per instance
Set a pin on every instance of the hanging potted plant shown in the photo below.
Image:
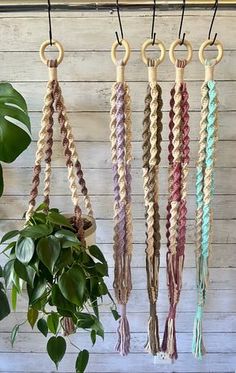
(14, 126)
(55, 254)
(64, 281)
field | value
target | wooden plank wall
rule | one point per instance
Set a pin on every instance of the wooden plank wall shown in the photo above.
(86, 75)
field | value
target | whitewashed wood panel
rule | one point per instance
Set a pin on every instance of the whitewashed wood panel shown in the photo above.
(18, 181)
(134, 363)
(97, 66)
(85, 34)
(222, 255)
(224, 206)
(87, 74)
(94, 126)
(36, 343)
(99, 95)
(223, 230)
(225, 155)
(138, 302)
(213, 322)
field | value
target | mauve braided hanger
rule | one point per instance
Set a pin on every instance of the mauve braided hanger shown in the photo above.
(177, 204)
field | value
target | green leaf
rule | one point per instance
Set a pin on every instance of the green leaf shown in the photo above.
(58, 219)
(14, 294)
(14, 333)
(98, 327)
(48, 250)
(37, 231)
(82, 361)
(41, 207)
(1, 271)
(42, 327)
(14, 139)
(93, 336)
(59, 301)
(85, 320)
(53, 322)
(96, 253)
(1, 181)
(115, 314)
(24, 249)
(4, 305)
(32, 316)
(25, 272)
(9, 235)
(56, 348)
(68, 235)
(9, 272)
(9, 247)
(38, 290)
(102, 268)
(65, 259)
(72, 285)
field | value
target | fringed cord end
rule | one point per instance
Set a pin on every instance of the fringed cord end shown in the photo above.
(123, 344)
(153, 343)
(68, 326)
(198, 348)
(169, 345)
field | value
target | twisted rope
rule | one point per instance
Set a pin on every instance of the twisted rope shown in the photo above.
(177, 205)
(46, 118)
(152, 128)
(121, 154)
(204, 195)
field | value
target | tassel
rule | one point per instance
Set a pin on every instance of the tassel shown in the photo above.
(123, 344)
(153, 344)
(169, 345)
(198, 348)
(68, 326)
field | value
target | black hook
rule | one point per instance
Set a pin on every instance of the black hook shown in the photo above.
(181, 23)
(50, 21)
(153, 34)
(212, 22)
(120, 24)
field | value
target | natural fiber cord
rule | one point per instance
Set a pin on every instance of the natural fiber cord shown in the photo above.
(121, 154)
(152, 128)
(204, 194)
(177, 204)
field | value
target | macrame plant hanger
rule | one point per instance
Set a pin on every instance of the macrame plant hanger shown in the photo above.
(121, 153)
(152, 128)
(205, 186)
(54, 103)
(177, 205)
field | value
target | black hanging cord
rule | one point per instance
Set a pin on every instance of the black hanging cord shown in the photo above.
(181, 23)
(212, 22)
(50, 21)
(120, 24)
(153, 34)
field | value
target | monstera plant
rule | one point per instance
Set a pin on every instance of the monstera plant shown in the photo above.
(14, 126)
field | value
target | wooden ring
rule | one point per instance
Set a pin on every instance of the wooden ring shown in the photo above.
(57, 45)
(175, 44)
(114, 47)
(204, 45)
(159, 44)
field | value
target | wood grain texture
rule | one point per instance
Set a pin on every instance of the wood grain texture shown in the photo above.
(86, 75)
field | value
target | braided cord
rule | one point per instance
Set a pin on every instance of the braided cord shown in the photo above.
(152, 127)
(177, 205)
(60, 107)
(46, 118)
(204, 192)
(121, 154)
